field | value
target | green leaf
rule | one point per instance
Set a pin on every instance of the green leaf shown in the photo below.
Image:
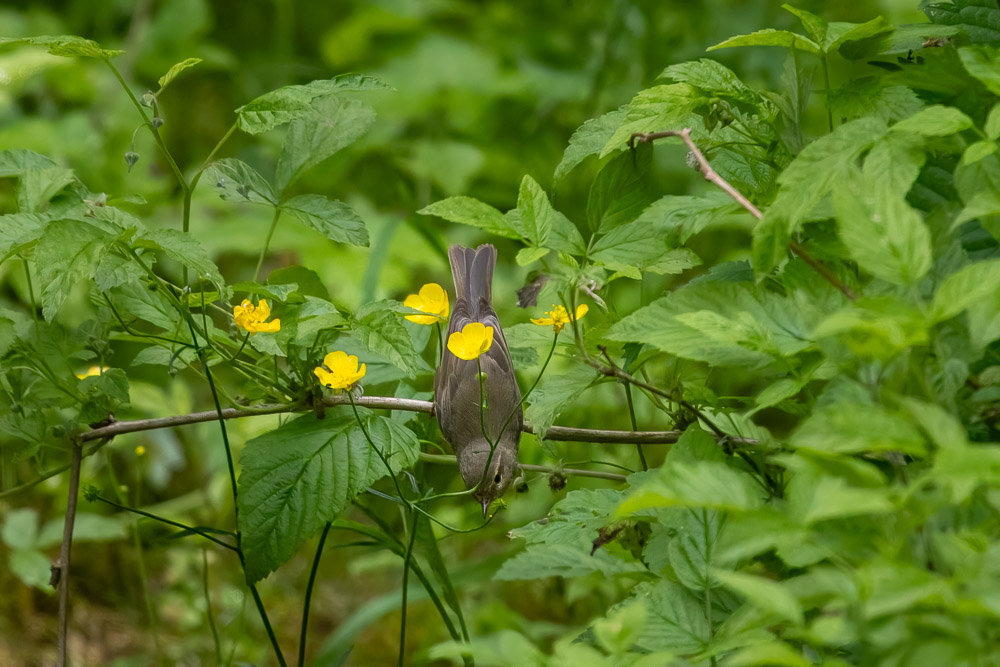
(816, 26)
(303, 474)
(686, 216)
(846, 428)
(978, 150)
(469, 211)
(176, 70)
(68, 46)
(536, 211)
(704, 484)
(969, 285)
(770, 37)
(813, 498)
(68, 252)
(540, 561)
(676, 619)
(983, 63)
(32, 567)
(235, 180)
(641, 245)
(934, 121)
(20, 528)
(884, 234)
(39, 186)
(978, 18)
(723, 324)
(710, 76)
(806, 181)
(314, 316)
(331, 124)
(87, 527)
(655, 109)
(588, 140)
(185, 249)
(18, 229)
(333, 219)
(286, 104)
(693, 551)
(382, 332)
(871, 96)
(765, 594)
(621, 190)
(772, 654)
(554, 393)
(992, 125)
(530, 255)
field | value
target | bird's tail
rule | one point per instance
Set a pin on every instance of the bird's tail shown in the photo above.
(472, 271)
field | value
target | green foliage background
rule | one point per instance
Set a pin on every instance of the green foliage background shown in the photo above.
(834, 496)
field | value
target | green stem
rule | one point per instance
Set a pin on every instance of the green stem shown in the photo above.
(635, 427)
(364, 430)
(437, 325)
(192, 529)
(208, 160)
(309, 590)
(267, 243)
(208, 606)
(826, 82)
(406, 572)
(31, 291)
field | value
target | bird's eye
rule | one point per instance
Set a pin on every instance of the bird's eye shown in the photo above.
(496, 480)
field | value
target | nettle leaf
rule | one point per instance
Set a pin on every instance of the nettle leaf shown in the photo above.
(185, 249)
(724, 324)
(621, 190)
(711, 77)
(333, 219)
(853, 428)
(380, 330)
(693, 550)
(969, 285)
(934, 121)
(813, 497)
(816, 26)
(69, 46)
(765, 594)
(872, 96)
(770, 37)
(68, 252)
(703, 484)
(685, 216)
(676, 620)
(588, 140)
(978, 18)
(983, 63)
(39, 186)
(17, 230)
(175, 70)
(643, 246)
(544, 226)
(235, 180)
(655, 109)
(286, 104)
(472, 212)
(303, 474)
(133, 299)
(806, 181)
(554, 393)
(883, 234)
(332, 124)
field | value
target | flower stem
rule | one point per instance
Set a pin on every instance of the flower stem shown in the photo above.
(309, 590)
(267, 242)
(406, 572)
(175, 524)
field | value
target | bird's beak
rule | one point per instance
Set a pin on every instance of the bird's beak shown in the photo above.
(486, 508)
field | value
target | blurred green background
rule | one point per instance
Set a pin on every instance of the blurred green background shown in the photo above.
(486, 92)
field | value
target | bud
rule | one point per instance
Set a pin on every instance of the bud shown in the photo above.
(520, 484)
(131, 157)
(156, 122)
(148, 99)
(90, 493)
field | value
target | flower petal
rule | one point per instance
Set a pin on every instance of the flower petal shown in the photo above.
(581, 310)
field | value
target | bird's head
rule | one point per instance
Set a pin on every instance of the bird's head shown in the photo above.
(492, 479)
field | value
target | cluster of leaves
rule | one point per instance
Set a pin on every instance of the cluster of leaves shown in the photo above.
(875, 414)
(857, 522)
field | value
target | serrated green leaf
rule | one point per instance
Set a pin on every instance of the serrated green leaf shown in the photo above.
(934, 121)
(643, 246)
(845, 428)
(992, 125)
(588, 140)
(806, 181)
(39, 186)
(770, 37)
(983, 63)
(701, 484)
(766, 594)
(185, 249)
(68, 46)
(286, 104)
(711, 77)
(772, 654)
(718, 323)
(871, 96)
(314, 316)
(977, 151)
(134, 300)
(333, 219)
(676, 620)
(469, 211)
(303, 474)
(530, 255)
(816, 26)
(655, 109)
(978, 18)
(331, 124)
(18, 229)
(621, 190)
(969, 285)
(68, 252)
(554, 393)
(686, 216)
(175, 70)
(235, 180)
(382, 332)
(813, 498)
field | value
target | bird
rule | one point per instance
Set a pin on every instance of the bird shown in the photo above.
(485, 468)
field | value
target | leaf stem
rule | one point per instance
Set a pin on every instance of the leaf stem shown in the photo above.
(31, 290)
(169, 522)
(406, 572)
(635, 427)
(208, 606)
(309, 590)
(267, 242)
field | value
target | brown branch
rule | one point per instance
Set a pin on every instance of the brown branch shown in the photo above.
(713, 177)
(555, 433)
(60, 569)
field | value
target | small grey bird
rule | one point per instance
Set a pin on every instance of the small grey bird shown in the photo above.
(456, 385)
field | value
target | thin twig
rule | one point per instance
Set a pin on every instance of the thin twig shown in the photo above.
(713, 177)
(596, 474)
(60, 570)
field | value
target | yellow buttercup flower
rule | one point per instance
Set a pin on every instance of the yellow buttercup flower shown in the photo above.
(252, 318)
(92, 371)
(433, 300)
(558, 317)
(474, 339)
(339, 370)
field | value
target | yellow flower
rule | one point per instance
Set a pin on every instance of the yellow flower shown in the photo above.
(474, 339)
(432, 300)
(92, 371)
(252, 319)
(558, 317)
(339, 370)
